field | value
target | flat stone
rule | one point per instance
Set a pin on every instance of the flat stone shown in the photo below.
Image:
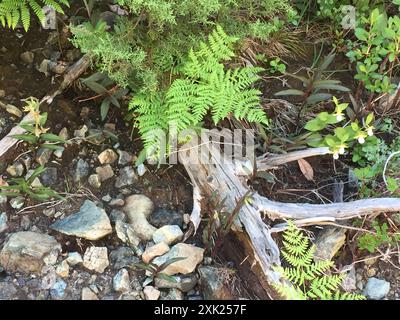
(13, 110)
(124, 157)
(184, 283)
(329, 242)
(28, 252)
(88, 294)
(154, 251)
(163, 217)
(108, 156)
(96, 259)
(349, 282)
(81, 170)
(168, 234)
(193, 256)
(106, 172)
(49, 177)
(94, 181)
(3, 222)
(376, 289)
(214, 283)
(151, 293)
(74, 258)
(121, 281)
(125, 178)
(91, 222)
(81, 133)
(126, 233)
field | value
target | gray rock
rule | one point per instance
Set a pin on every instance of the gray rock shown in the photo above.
(106, 172)
(58, 289)
(17, 202)
(123, 257)
(163, 217)
(107, 198)
(49, 212)
(125, 178)
(94, 181)
(193, 256)
(88, 294)
(121, 281)
(168, 234)
(43, 156)
(49, 177)
(16, 170)
(74, 258)
(127, 234)
(108, 156)
(3, 222)
(173, 294)
(27, 57)
(124, 158)
(214, 283)
(81, 170)
(90, 222)
(25, 222)
(328, 243)
(184, 283)
(116, 215)
(28, 251)
(81, 133)
(7, 291)
(141, 170)
(151, 293)
(349, 282)
(96, 259)
(376, 289)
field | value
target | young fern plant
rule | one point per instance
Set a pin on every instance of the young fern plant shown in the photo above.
(204, 86)
(309, 280)
(14, 11)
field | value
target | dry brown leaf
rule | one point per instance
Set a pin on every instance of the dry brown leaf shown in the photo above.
(306, 169)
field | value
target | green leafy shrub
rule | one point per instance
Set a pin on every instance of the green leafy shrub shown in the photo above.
(376, 50)
(14, 11)
(203, 85)
(143, 48)
(344, 136)
(372, 241)
(309, 280)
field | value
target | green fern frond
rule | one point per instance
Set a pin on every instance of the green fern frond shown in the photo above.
(14, 11)
(205, 86)
(307, 279)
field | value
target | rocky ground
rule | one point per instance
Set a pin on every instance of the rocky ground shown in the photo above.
(115, 216)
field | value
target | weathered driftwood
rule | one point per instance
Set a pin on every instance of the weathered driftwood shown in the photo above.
(222, 177)
(72, 74)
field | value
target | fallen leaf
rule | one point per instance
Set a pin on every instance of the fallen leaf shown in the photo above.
(306, 169)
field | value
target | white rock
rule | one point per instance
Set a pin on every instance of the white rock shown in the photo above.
(108, 156)
(151, 293)
(121, 281)
(88, 294)
(154, 251)
(126, 233)
(168, 234)
(74, 258)
(3, 222)
(96, 259)
(28, 251)
(94, 181)
(193, 256)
